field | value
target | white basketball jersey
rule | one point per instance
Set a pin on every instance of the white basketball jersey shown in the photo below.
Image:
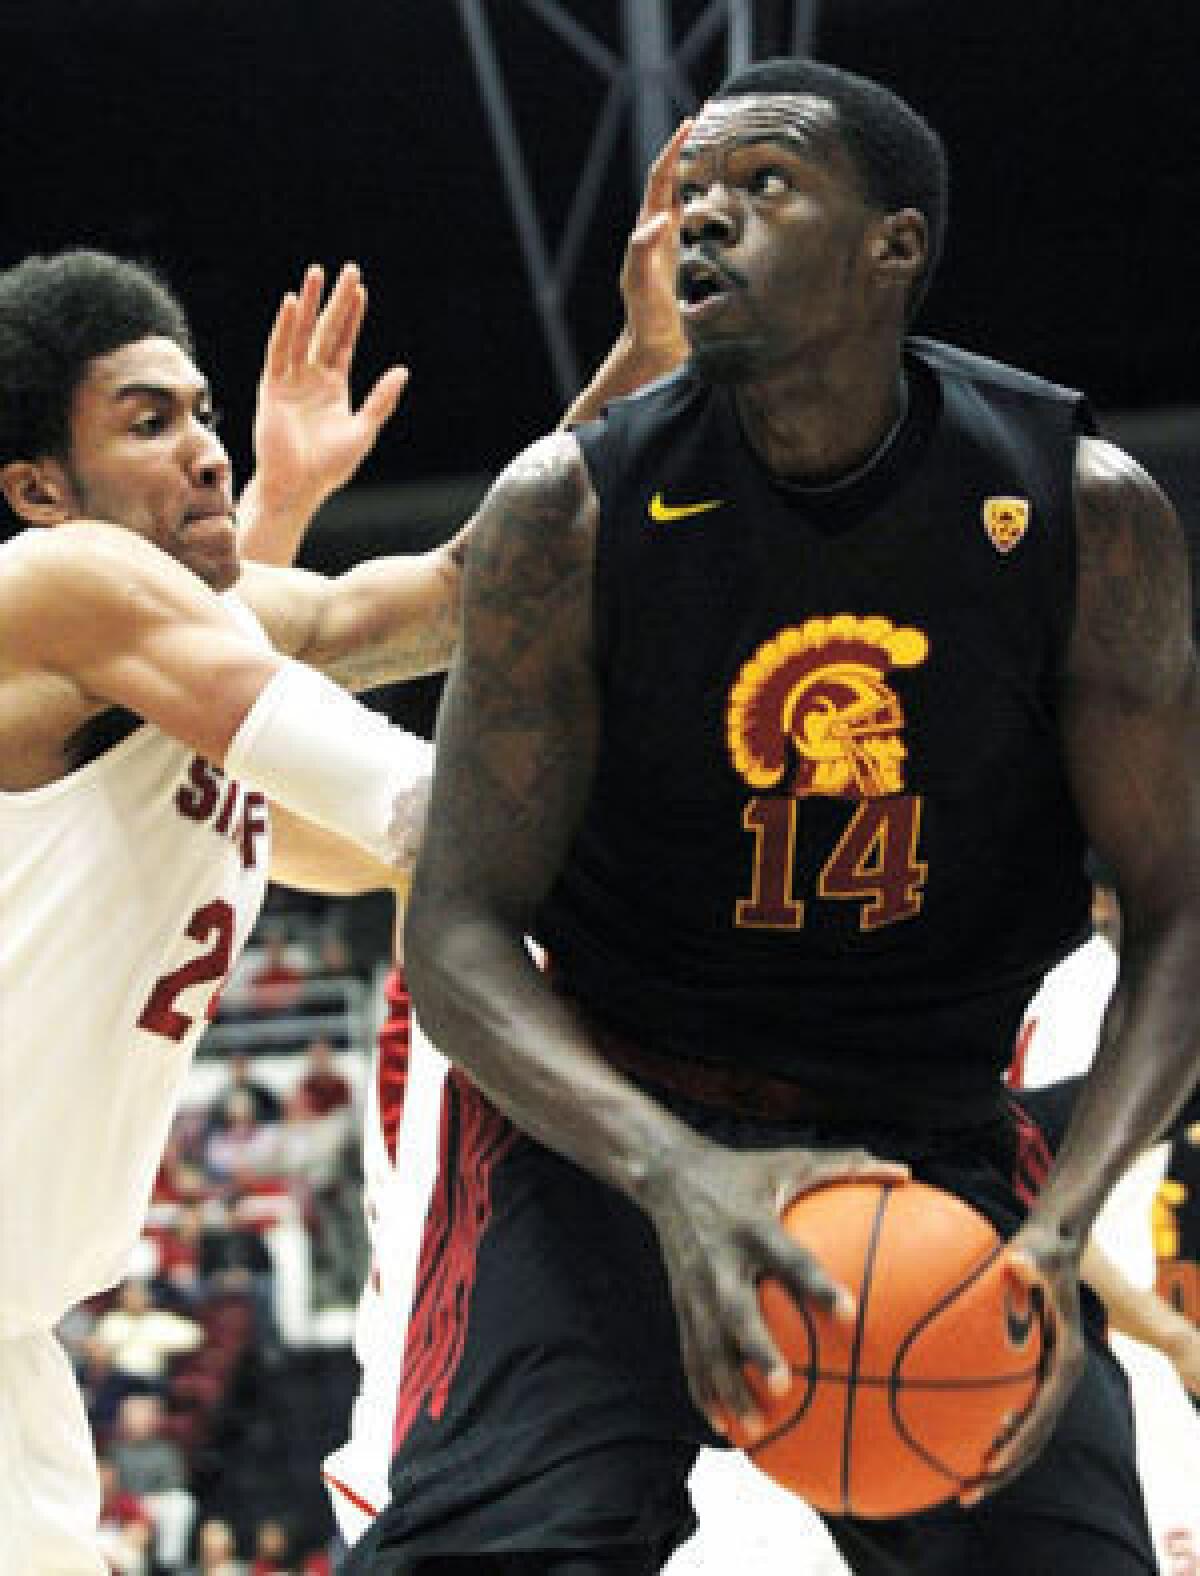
(127, 889)
(1062, 1022)
(399, 1170)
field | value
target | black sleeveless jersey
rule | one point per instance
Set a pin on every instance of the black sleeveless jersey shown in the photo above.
(830, 836)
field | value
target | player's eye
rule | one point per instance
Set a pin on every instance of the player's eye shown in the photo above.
(210, 416)
(150, 424)
(688, 191)
(768, 181)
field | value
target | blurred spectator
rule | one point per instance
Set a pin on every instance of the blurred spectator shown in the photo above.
(243, 1146)
(278, 981)
(333, 959)
(323, 1087)
(181, 1177)
(273, 1554)
(126, 1530)
(216, 1551)
(105, 1386)
(148, 1462)
(268, 1107)
(153, 1468)
(206, 1251)
(215, 1255)
(141, 1336)
(319, 1153)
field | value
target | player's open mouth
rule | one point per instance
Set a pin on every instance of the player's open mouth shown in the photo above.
(209, 532)
(218, 519)
(701, 288)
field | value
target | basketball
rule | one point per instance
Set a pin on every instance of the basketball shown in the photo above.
(895, 1410)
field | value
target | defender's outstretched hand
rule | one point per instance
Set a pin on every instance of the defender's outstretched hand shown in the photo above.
(651, 341)
(308, 438)
(652, 259)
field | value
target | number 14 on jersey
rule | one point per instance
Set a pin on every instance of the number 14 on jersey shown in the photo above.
(874, 864)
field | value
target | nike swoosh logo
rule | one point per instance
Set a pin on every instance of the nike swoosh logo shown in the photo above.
(664, 513)
(1019, 1322)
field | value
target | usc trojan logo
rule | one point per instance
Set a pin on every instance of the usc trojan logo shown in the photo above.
(815, 699)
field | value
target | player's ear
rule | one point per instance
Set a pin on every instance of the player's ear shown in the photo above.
(900, 244)
(36, 491)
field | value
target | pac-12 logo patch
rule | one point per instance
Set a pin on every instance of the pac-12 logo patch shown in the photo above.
(1005, 520)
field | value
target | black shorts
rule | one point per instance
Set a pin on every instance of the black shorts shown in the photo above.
(543, 1404)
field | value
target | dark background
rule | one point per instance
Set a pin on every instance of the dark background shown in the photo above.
(234, 140)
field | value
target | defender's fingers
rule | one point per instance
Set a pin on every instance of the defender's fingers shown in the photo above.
(306, 314)
(659, 192)
(379, 404)
(341, 306)
(279, 341)
(343, 350)
(641, 253)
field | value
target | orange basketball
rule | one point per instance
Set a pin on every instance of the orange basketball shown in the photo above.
(894, 1411)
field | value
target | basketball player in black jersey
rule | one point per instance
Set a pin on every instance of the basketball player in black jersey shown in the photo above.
(789, 698)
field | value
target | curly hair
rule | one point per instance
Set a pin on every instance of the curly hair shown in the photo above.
(57, 314)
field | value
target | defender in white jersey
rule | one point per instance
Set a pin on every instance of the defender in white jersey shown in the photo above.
(400, 1140)
(146, 717)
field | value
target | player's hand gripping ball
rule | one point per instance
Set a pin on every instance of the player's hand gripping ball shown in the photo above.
(896, 1410)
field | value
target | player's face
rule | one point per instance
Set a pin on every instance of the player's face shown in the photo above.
(144, 454)
(776, 237)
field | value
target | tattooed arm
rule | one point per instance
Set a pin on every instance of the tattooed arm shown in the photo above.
(516, 749)
(516, 753)
(1130, 720)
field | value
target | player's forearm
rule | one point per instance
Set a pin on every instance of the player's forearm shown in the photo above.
(391, 619)
(483, 1002)
(1135, 1311)
(1147, 1066)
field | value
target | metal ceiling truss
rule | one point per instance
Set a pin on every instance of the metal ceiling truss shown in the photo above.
(648, 85)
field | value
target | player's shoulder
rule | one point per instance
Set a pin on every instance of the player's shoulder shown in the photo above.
(76, 549)
(1107, 475)
(674, 395)
(545, 488)
(536, 527)
(630, 428)
(69, 586)
(952, 361)
(45, 570)
(1133, 624)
